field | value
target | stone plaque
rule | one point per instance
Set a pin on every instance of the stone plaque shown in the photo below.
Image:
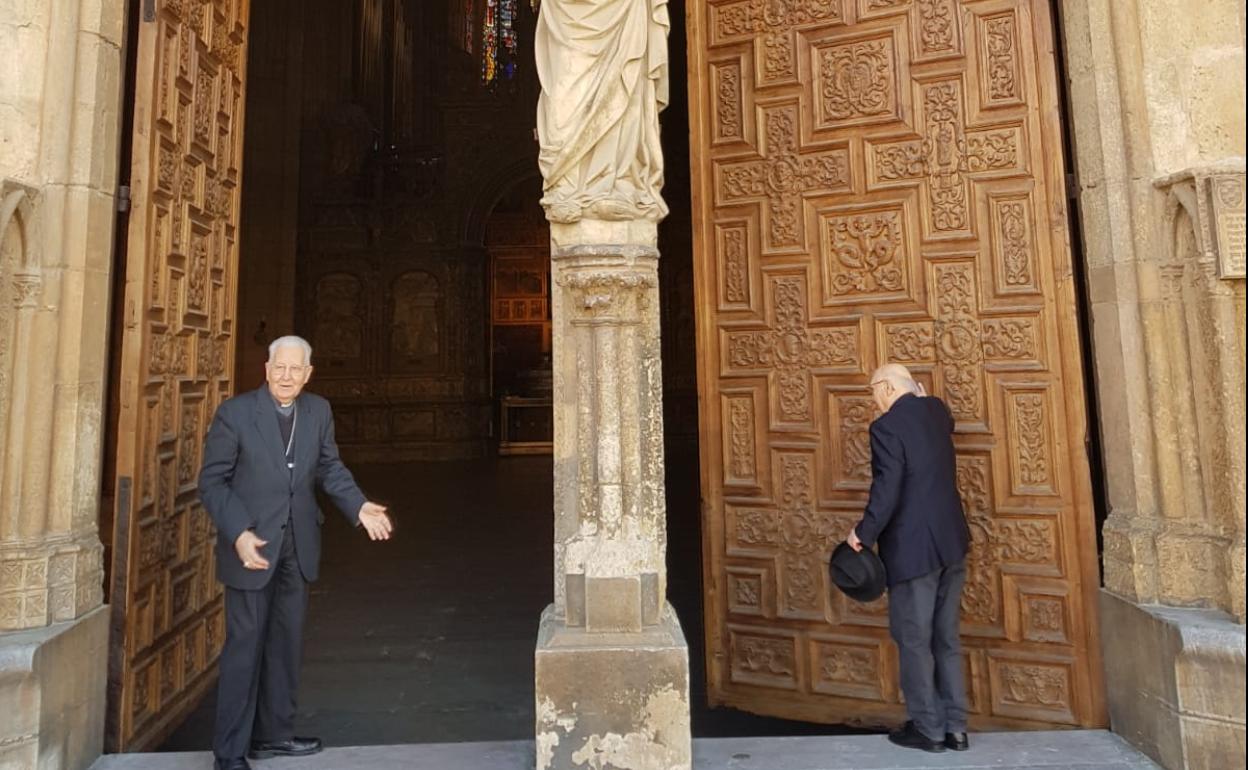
(1227, 207)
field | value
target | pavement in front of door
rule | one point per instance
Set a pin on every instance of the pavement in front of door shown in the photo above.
(429, 638)
(1073, 750)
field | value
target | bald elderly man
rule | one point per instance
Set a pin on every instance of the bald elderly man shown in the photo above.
(915, 514)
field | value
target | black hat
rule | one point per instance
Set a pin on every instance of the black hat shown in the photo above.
(859, 574)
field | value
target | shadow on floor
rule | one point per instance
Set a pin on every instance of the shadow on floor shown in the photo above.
(429, 638)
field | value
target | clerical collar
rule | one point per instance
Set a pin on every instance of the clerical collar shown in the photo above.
(285, 410)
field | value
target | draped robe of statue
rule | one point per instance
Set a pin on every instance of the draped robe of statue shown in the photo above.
(603, 70)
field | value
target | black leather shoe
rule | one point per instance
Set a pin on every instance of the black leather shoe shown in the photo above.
(294, 747)
(909, 737)
(238, 763)
(957, 741)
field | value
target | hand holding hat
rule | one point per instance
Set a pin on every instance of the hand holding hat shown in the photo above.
(857, 572)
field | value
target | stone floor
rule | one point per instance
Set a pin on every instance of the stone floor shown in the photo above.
(429, 638)
(1090, 750)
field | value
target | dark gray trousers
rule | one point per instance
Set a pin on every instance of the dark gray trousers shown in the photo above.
(923, 618)
(259, 665)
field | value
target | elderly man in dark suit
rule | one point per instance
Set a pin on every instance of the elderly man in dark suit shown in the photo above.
(915, 513)
(265, 454)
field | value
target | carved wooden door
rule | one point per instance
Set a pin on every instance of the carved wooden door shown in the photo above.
(177, 354)
(881, 181)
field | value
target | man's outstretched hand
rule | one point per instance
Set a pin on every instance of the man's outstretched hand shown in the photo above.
(375, 521)
(248, 547)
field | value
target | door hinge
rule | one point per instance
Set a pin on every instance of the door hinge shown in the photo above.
(123, 199)
(1072, 187)
(149, 10)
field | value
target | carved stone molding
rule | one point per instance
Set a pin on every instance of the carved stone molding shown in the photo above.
(49, 581)
(1213, 196)
(601, 295)
(18, 216)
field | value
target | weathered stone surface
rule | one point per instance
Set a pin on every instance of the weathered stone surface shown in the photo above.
(609, 490)
(617, 701)
(52, 684)
(1176, 690)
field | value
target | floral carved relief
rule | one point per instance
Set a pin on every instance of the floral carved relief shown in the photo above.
(1002, 68)
(958, 344)
(856, 414)
(741, 427)
(773, 22)
(1035, 685)
(734, 258)
(866, 253)
(1016, 250)
(981, 596)
(946, 157)
(728, 102)
(857, 82)
(763, 658)
(852, 671)
(1033, 446)
(938, 27)
(792, 349)
(783, 176)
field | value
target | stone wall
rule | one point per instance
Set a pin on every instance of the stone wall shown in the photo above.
(1157, 112)
(60, 90)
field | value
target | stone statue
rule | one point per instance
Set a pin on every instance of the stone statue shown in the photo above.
(603, 70)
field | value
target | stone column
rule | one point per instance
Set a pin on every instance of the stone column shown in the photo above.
(612, 666)
(1157, 111)
(58, 162)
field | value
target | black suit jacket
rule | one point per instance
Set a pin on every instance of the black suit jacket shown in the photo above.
(914, 510)
(245, 484)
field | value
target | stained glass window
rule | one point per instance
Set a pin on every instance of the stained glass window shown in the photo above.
(463, 24)
(500, 46)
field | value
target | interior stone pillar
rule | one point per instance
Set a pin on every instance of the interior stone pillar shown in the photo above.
(58, 164)
(1157, 114)
(612, 666)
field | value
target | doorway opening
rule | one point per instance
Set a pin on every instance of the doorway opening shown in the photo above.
(390, 216)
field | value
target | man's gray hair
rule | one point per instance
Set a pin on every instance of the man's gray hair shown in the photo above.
(291, 341)
(901, 379)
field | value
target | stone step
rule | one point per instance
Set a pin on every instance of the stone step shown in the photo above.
(1065, 750)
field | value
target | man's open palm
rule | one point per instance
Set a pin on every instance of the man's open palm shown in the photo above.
(375, 521)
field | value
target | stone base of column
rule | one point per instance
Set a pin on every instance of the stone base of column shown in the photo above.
(612, 700)
(1175, 681)
(52, 694)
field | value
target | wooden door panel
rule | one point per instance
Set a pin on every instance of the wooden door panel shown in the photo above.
(881, 181)
(177, 354)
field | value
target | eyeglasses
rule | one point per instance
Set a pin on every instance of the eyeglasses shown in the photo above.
(281, 370)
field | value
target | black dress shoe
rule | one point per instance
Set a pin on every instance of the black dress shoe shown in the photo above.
(909, 737)
(237, 763)
(957, 741)
(293, 747)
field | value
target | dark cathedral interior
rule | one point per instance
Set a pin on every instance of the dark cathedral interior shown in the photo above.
(391, 216)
